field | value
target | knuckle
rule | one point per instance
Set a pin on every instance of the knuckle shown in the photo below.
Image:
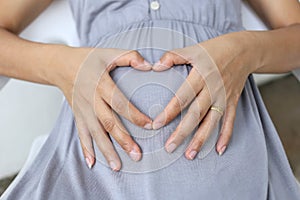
(182, 101)
(177, 105)
(101, 87)
(138, 120)
(126, 145)
(119, 106)
(93, 131)
(108, 124)
(168, 55)
(195, 114)
(198, 142)
(180, 136)
(170, 115)
(135, 54)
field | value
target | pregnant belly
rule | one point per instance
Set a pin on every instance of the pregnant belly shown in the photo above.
(150, 92)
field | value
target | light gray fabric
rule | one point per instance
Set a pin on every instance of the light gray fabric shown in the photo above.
(254, 165)
(3, 81)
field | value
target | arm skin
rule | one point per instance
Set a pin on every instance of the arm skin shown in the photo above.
(236, 55)
(274, 51)
(27, 60)
(279, 48)
(58, 65)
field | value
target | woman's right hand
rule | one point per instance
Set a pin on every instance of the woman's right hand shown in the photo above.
(95, 98)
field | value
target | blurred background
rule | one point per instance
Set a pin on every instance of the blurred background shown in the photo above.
(28, 111)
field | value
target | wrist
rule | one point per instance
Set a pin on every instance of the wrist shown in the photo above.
(250, 48)
(238, 48)
(64, 64)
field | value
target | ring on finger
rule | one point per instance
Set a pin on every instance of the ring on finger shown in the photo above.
(218, 109)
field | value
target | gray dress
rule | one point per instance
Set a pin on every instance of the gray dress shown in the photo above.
(254, 165)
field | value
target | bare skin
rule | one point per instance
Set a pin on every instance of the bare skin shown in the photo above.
(58, 65)
(264, 52)
(236, 56)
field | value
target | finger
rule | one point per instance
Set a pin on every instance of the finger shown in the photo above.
(227, 129)
(86, 143)
(183, 97)
(135, 153)
(104, 144)
(131, 58)
(113, 126)
(195, 114)
(117, 100)
(169, 59)
(206, 127)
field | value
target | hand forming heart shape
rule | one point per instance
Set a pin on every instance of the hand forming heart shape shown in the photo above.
(209, 89)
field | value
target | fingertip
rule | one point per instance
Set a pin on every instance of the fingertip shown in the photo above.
(157, 125)
(115, 165)
(159, 121)
(90, 160)
(147, 65)
(226, 131)
(170, 147)
(222, 143)
(135, 155)
(190, 155)
(147, 122)
(148, 126)
(222, 150)
(143, 65)
(156, 66)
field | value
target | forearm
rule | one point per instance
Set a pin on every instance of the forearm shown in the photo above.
(30, 61)
(278, 50)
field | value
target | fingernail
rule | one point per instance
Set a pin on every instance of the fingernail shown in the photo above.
(157, 125)
(171, 147)
(113, 165)
(222, 150)
(192, 154)
(156, 65)
(148, 126)
(159, 121)
(88, 162)
(134, 155)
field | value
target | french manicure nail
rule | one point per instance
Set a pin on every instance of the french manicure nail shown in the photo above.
(148, 126)
(113, 165)
(222, 150)
(134, 155)
(192, 154)
(171, 147)
(88, 162)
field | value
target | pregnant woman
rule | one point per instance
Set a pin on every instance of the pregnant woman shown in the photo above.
(185, 95)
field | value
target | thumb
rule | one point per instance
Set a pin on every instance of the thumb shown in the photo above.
(134, 59)
(169, 59)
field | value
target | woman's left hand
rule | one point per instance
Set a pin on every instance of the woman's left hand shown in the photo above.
(220, 68)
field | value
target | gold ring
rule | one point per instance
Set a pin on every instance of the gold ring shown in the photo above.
(217, 108)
